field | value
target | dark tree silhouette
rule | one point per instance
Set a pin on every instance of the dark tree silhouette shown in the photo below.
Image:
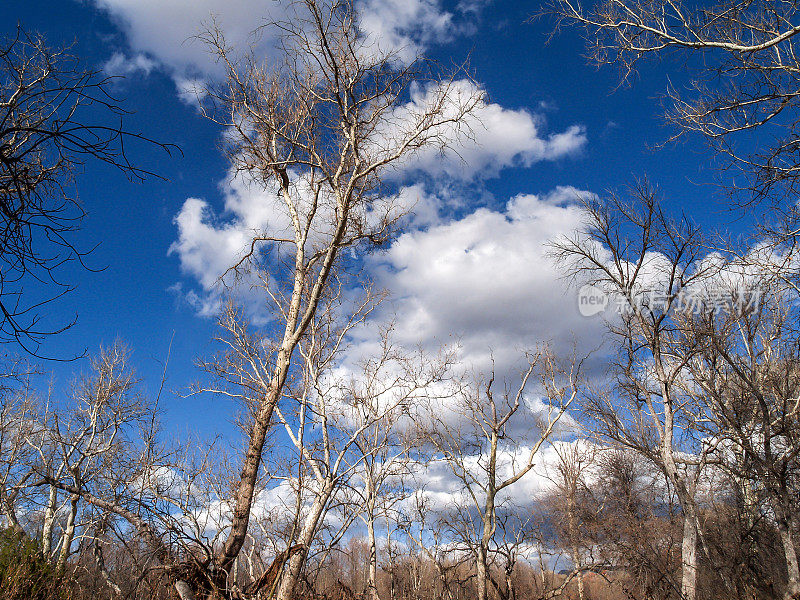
(46, 96)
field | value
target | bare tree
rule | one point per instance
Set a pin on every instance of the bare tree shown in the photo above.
(319, 128)
(748, 385)
(384, 447)
(648, 264)
(475, 439)
(744, 80)
(337, 425)
(19, 425)
(80, 447)
(633, 526)
(575, 460)
(431, 533)
(46, 135)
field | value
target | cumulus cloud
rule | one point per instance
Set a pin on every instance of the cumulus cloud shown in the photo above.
(489, 139)
(404, 26)
(486, 280)
(713, 282)
(210, 242)
(167, 31)
(483, 279)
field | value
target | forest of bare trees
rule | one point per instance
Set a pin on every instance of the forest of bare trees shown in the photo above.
(670, 472)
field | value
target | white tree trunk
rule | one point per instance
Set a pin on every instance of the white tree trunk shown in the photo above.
(482, 572)
(69, 533)
(372, 576)
(291, 577)
(184, 590)
(577, 559)
(488, 520)
(47, 524)
(689, 558)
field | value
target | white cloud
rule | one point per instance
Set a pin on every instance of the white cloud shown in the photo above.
(483, 280)
(167, 30)
(191, 90)
(121, 65)
(486, 280)
(209, 244)
(488, 140)
(404, 26)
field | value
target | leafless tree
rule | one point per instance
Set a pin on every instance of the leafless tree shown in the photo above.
(633, 526)
(337, 422)
(746, 378)
(86, 449)
(47, 103)
(430, 533)
(475, 437)
(570, 474)
(649, 265)
(319, 128)
(384, 448)
(19, 424)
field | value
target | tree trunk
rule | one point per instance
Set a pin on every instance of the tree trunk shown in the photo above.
(372, 576)
(784, 520)
(11, 515)
(291, 577)
(689, 558)
(682, 490)
(488, 521)
(69, 533)
(100, 561)
(482, 571)
(47, 524)
(390, 559)
(573, 534)
(184, 590)
(511, 592)
(247, 483)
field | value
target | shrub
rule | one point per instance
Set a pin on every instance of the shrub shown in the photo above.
(24, 572)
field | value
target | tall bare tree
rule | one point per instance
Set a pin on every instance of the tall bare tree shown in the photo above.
(747, 385)
(319, 127)
(19, 425)
(647, 264)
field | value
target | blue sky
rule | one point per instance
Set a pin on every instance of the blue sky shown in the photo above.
(140, 296)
